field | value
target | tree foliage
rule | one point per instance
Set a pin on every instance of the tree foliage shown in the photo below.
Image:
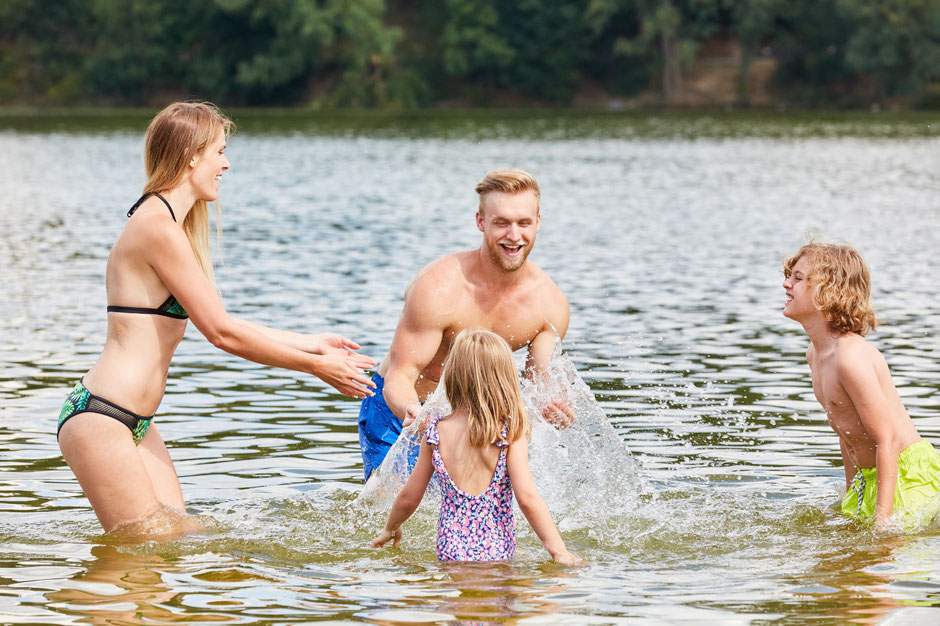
(895, 42)
(418, 52)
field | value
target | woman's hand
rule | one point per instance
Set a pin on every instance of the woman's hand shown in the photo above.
(338, 372)
(332, 343)
(383, 537)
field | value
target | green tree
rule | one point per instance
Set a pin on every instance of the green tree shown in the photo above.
(337, 52)
(896, 42)
(548, 38)
(142, 47)
(668, 34)
(42, 44)
(471, 43)
(809, 43)
(471, 48)
(247, 52)
(364, 51)
(753, 23)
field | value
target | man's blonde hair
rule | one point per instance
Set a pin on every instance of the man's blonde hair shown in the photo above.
(175, 135)
(508, 180)
(842, 286)
(481, 378)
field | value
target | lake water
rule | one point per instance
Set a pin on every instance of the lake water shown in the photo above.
(711, 501)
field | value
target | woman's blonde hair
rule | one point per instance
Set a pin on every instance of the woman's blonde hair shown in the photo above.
(481, 378)
(174, 136)
(842, 286)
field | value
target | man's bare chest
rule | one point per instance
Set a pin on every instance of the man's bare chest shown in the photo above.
(517, 325)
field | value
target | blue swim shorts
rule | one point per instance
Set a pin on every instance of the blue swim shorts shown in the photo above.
(378, 428)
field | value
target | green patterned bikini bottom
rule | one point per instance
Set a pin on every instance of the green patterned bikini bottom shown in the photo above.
(80, 400)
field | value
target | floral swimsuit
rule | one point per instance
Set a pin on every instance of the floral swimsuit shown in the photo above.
(474, 528)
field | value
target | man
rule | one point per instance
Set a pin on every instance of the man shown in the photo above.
(493, 287)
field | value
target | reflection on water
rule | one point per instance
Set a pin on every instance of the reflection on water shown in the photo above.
(701, 483)
(117, 588)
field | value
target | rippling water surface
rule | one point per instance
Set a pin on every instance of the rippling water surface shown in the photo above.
(666, 234)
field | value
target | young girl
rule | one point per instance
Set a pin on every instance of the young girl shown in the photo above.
(480, 454)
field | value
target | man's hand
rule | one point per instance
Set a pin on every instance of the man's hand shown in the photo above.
(559, 413)
(411, 414)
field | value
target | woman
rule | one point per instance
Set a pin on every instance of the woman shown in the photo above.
(159, 274)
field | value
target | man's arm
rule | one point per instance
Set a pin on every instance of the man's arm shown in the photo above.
(417, 338)
(858, 376)
(556, 324)
(558, 411)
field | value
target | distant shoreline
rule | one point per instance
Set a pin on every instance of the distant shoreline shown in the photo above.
(504, 123)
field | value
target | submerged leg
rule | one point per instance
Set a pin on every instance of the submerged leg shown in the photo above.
(163, 478)
(133, 488)
(109, 468)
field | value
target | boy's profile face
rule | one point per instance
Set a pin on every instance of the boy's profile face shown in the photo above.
(799, 290)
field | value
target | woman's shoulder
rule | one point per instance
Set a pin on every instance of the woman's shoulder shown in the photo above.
(153, 230)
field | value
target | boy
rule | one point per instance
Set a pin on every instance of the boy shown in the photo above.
(888, 467)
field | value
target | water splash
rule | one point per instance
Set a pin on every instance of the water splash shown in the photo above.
(585, 472)
(166, 523)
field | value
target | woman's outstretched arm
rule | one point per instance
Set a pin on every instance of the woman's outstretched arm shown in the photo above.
(316, 343)
(165, 247)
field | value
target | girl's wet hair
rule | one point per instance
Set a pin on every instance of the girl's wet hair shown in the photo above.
(841, 286)
(174, 136)
(481, 378)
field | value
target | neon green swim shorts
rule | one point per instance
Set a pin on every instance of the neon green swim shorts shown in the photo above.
(918, 484)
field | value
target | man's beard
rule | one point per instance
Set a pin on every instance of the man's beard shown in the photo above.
(510, 264)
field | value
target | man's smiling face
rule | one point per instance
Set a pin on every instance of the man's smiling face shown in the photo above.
(509, 223)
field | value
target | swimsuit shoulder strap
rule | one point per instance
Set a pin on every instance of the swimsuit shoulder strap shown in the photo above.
(432, 435)
(147, 195)
(504, 433)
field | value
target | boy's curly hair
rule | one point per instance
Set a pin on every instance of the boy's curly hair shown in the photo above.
(842, 286)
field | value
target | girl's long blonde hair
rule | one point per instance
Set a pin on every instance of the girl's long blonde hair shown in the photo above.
(481, 378)
(174, 136)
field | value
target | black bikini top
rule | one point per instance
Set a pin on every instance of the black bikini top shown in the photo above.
(137, 204)
(170, 307)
